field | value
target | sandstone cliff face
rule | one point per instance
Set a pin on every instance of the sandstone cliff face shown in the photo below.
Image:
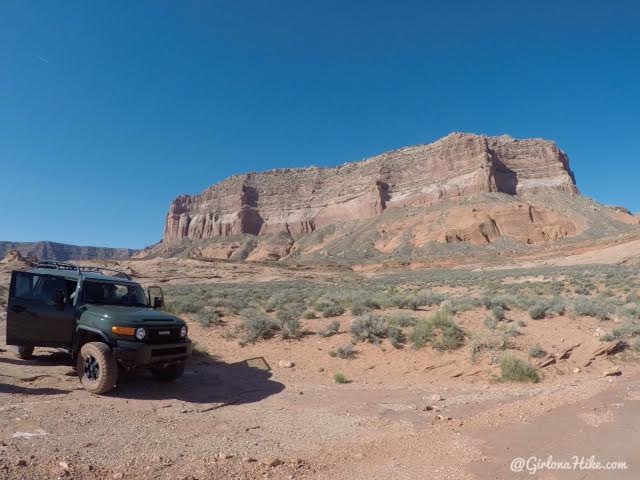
(298, 201)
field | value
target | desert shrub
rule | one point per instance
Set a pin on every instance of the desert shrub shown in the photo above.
(511, 331)
(210, 318)
(546, 308)
(514, 369)
(358, 308)
(230, 334)
(498, 312)
(396, 336)
(630, 311)
(369, 327)
(462, 304)
(372, 303)
(340, 378)
(427, 298)
(632, 297)
(186, 304)
(234, 301)
(494, 341)
(332, 329)
(537, 351)
(309, 315)
(290, 328)
(625, 330)
(345, 351)
(491, 322)
(440, 330)
(538, 311)
(257, 325)
(401, 320)
(329, 307)
(291, 298)
(405, 301)
(587, 307)
(502, 301)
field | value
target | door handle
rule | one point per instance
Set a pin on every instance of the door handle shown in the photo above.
(18, 308)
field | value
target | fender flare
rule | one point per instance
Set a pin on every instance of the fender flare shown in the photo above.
(79, 331)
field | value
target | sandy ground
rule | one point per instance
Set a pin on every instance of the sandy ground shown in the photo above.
(232, 419)
(241, 414)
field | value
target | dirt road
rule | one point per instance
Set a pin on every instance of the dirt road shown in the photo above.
(239, 420)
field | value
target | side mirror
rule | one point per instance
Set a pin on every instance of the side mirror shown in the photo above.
(156, 297)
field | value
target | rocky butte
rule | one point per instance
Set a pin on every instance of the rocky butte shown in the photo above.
(298, 201)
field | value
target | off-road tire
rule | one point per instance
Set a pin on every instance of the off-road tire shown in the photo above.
(169, 373)
(24, 352)
(97, 368)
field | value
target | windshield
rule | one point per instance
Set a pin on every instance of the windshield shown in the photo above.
(107, 293)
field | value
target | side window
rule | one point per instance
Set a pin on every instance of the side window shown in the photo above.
(24, 287)
(38, 287)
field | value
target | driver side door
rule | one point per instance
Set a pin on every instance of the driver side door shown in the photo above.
(35, 313)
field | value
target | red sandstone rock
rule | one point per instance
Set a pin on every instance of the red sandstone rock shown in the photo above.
(297, 201)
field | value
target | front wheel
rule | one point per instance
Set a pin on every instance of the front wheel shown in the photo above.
(24, 352)
(168, 373)
(97, 367)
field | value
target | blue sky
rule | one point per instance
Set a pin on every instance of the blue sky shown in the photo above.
(111, 109)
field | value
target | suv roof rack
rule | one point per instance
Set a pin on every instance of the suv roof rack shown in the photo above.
(53, 264)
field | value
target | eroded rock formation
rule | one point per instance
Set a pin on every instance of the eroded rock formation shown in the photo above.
(298, 201)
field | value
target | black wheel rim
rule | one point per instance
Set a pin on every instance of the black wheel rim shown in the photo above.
(91, 368)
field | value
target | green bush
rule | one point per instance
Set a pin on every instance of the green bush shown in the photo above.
(440, 330)
(498, 312)
(332, 329)
(547, 308)
(490, 322)
(329, 307)
(462, 304)
(514, 369)
(210, 319)
(346, 351)
(428, 298)
(396, 336)
(626, 330)
(405, 301)
(309, 314)
(369, 327)
(587, 307)
(340, 378)
(358, 308)
(257, 326)
(401, 320)
(537, 351)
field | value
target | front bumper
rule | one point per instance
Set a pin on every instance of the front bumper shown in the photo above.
(138, 354)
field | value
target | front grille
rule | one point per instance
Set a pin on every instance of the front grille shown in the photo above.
(156, 335)
(168, 351)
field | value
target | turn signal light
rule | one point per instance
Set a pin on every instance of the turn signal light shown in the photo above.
(124, 330)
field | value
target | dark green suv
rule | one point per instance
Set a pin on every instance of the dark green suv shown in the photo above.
(101, 316)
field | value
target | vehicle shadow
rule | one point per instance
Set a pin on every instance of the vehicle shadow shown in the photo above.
(39, 358)
(205, 381)
(8, 388)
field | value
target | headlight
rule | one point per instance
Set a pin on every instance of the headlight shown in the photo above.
(183, 332)
(140, 333)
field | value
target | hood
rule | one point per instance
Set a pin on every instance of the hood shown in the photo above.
(122, 314)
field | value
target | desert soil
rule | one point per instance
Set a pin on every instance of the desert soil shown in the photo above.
(228, 418)
(272, 410)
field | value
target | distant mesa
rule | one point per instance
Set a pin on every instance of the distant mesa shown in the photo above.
(61, 251)
(298, 201)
